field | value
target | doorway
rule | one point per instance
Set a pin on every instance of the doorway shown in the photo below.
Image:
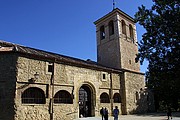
(86, 106)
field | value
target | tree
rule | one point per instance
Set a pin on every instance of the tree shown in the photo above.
(160, 45)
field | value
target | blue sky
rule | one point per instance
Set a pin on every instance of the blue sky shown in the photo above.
(60, 26)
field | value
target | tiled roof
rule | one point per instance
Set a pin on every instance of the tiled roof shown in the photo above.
(53, 57)
(117, 10)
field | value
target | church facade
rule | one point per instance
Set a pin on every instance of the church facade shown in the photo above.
(39, 85)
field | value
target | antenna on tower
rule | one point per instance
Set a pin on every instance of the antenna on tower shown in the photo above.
(113, 4)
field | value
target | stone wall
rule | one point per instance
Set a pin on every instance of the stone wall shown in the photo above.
(116, 81)
(66, 77)
(7, 85)
(19, 70)
(128, 46)
(32, 112)
(117, 50)
(128, 51)
(136, 99)
(64, 112)
(108, 53)
(27, 67)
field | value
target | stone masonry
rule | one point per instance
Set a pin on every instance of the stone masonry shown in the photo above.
(39, 85)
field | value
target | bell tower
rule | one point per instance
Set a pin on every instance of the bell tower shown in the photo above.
(117, 41)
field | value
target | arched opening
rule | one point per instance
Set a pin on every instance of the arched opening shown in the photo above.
(86, 100)
(104, 98)
(131, 32)
(137, 96)
(102, 32)
(117, 98)
(111, 28)
(63, 96)
(123, 27)
(33, 95)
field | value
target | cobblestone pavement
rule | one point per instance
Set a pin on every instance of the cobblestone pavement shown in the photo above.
(153, 116)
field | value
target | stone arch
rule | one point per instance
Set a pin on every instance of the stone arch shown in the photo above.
(33, 95)
(104, 98)
(87, 100)
(111, 27)
(123, 24)
(117, 98)
(102, 32)
(131, 33)
(63, 96)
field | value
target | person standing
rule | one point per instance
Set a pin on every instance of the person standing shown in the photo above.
(102, 112)
(106, 114)
(116, 113)
(169, 113)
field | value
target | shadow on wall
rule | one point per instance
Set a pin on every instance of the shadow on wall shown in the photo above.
(7, 87)
(144, 100)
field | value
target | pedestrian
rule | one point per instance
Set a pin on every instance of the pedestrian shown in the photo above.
(102, 112)
(116, 113)
(169, 113)
(86, 111)
(106, 114)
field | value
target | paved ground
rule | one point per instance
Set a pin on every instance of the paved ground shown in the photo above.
(153, 116)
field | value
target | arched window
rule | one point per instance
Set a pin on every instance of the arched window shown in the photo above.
(123, 27)
(117, 98)
(63, 96)
(111, 28)
(137, 95)
(104, 98)
(102, 32)
(131, 31)
(33, 95)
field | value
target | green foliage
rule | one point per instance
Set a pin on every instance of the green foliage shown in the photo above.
(160, 45)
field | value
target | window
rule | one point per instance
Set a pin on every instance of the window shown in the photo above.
(63, 96)
(104, 98)
(131, 32)
(111, 28)
(117, 98)
(123, 27)
(49, 68)
(104, 76)
(102, 32)
(33, 95)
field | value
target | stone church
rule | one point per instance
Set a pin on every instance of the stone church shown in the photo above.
(40, 85)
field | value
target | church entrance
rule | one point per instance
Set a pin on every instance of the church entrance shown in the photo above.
(86, 107)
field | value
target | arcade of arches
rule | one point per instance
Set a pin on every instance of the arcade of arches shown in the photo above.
(35, 95)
